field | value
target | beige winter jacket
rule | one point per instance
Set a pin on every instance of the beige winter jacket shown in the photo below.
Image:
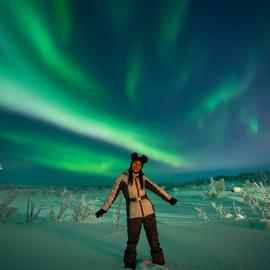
(137, 202)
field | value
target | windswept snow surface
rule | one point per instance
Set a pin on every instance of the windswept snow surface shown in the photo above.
(188, 243)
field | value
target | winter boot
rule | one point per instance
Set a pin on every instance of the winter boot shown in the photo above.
(158, 257)
(130, 259)
(131, 265)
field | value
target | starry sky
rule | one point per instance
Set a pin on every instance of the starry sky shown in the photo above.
(83, 84)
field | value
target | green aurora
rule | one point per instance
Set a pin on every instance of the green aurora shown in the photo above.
(85, 83)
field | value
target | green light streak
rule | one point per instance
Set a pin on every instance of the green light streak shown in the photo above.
(59, 110)
(62, 12)
(35, 97)
(254, 126)
(189, 61)
(183, 75)
(31, 25)
(221, 96)
(133, 76)
(41, 150)
(172, 22)
(249, 118)
(230, 89)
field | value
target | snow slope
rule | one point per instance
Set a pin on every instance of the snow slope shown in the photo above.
(188, 243)
(100, 246)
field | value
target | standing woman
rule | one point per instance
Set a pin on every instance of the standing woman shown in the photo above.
(139, 209)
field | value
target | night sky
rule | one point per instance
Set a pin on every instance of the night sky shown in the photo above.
(85, 83)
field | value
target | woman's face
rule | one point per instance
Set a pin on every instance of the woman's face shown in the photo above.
(136, 166)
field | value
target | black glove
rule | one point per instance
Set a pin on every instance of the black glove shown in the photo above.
(100, 213)
(173, 201)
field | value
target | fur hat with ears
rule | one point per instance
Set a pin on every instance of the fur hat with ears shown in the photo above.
(143, 159)
(134, 156)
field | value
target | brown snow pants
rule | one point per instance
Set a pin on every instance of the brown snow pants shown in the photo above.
(133, 229)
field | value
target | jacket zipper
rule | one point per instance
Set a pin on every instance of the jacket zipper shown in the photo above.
(139, 197)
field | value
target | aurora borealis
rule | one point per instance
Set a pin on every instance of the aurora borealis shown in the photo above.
(85, 83)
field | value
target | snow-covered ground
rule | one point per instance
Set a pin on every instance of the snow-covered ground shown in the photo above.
(188, 242)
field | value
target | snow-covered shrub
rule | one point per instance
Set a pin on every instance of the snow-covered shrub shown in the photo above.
(84, 212)
(66, 200)
(114, 216)
(222, 211)
(5, 211)
(52, 215)
(248, 184)
(216, 188)
(201, 214)
(174, 191)
(239, 214)
(33, 210)
(258, 201)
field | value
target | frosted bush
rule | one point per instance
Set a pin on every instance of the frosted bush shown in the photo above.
(66, 200)
(216, 188)
(114, 217)
(248, 184)
(52, 215)
(201, 214)
(222, 211)
(258, 201)
(5, 211)
(33, 210)
(239, 214)
(84, 212)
